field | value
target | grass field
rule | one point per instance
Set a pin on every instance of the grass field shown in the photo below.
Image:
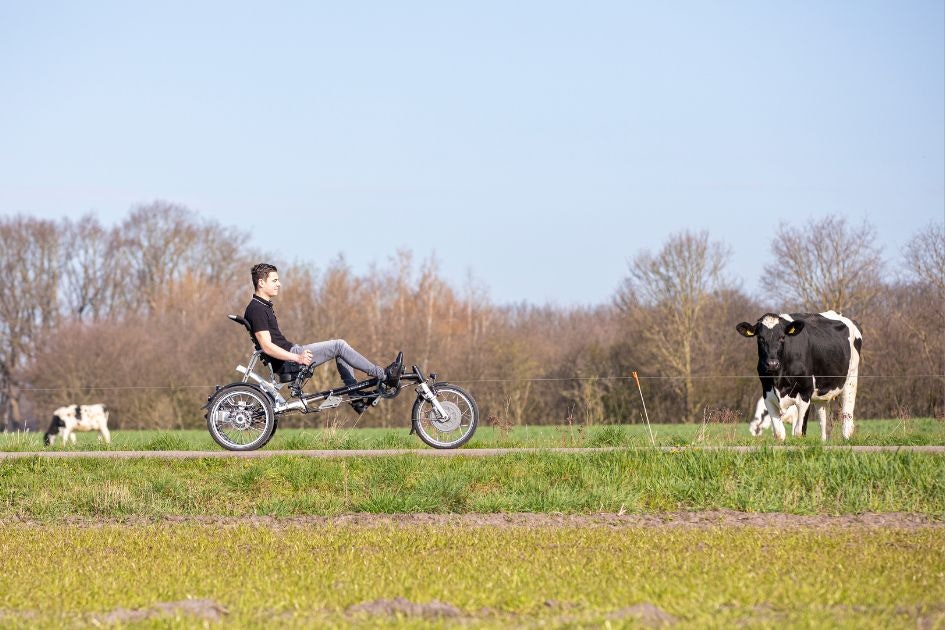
(917, 431)
(339, 575)
(145, 543)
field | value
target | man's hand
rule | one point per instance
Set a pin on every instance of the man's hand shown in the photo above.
(305, 358)
(274, 351)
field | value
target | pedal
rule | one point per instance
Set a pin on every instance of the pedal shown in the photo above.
(330, 403)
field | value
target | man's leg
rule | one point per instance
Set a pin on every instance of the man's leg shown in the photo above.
(339, 349)
(347, 376)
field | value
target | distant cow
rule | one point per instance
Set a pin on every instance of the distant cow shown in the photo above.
(804, 358)
(761, 420)
(67, 420)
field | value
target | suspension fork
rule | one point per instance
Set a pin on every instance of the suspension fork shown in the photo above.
(424, 391)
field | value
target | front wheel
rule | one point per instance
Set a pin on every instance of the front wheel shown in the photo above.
(240, 418)
(462, 417)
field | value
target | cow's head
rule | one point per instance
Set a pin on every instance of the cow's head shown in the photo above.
(53, 430)
(770, 331)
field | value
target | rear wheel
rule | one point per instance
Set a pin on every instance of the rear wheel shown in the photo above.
(240, 418)
(462, 417)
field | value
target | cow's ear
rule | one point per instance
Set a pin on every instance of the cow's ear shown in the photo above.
(745, 329)
(793, 328)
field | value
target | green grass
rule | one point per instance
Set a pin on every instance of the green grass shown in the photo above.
(311, 575)
(806, 481)
(135, 554)
(919, 431)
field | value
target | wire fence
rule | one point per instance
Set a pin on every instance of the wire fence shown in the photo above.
(539, 400)
(561, 379)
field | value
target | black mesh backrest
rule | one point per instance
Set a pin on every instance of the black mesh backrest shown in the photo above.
(245, 324)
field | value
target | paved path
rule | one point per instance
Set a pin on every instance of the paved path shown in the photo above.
(462, 452)
(706, 519)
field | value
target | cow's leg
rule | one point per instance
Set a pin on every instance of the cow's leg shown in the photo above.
(760, 420)
(848, 397)
(106, 435)
(822, 417)
(72, 437)
(789, 416)
(773, 404)
(848, 400)
(802, 406)
(758, 425)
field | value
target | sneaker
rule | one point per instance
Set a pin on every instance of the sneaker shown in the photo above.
(393, 371)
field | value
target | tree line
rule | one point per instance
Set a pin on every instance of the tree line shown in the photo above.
(133, 315)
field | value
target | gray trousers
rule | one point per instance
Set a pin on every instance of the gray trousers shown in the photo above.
(346, 359)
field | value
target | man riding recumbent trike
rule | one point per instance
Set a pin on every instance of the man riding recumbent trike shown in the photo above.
(242, 416)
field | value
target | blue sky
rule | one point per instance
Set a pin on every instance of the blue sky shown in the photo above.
(537, 145)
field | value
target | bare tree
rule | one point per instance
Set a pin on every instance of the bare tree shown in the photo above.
(920, 312)
(90, 278)
(925, 258)
(30, 267)
(825, 265)
(669, 293)
(159, 239)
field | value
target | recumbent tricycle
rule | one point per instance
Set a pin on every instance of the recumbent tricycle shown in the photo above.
(243, 416)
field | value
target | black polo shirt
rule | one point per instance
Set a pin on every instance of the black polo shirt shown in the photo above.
(261, 316)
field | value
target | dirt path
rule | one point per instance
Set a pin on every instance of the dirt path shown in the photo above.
(463, 452)
(713, 519)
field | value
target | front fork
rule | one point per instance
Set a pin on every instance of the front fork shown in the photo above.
(424, 391)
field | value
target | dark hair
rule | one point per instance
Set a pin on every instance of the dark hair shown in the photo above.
(261, 272)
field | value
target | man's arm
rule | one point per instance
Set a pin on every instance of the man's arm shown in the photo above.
(265, 343)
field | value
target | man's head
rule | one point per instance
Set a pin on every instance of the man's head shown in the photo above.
(266, 280)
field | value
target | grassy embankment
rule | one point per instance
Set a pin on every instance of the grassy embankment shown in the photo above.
(916, 431)
(806, 481)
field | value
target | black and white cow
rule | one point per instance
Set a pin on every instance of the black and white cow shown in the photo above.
(804, 358)
(67, 420)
